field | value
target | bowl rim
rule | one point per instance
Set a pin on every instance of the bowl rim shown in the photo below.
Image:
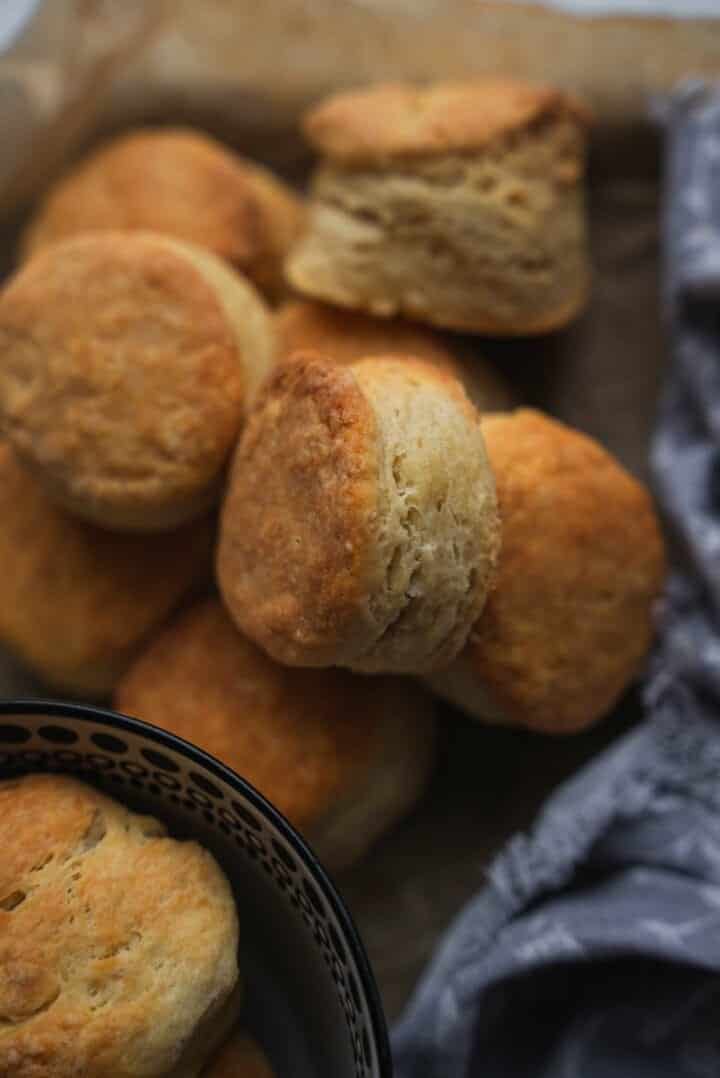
(118, 721)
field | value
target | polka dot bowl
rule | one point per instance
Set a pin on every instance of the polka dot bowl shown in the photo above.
(311, 998)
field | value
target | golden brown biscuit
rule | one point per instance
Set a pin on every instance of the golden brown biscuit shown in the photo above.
(393, 120)
(359, 527)
(569, 620)
(118, 945)
(128, 359)
(458, 204)
(76, 603)
(347, 336)
(343, 757)
(182, 183)
(240, 1057)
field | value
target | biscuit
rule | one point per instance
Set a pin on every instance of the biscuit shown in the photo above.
(342, 757)
(182, 183)
(118, 945)
(76, 602)
(128, 360)
(569, 621)
(458, 204)
(359, 526)
(347, 336)
(240, 1057)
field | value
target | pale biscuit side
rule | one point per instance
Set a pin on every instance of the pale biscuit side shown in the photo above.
(436, 532)
(492, 241)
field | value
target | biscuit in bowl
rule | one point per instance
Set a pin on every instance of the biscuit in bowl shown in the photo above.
(128, 361)
(182, 183)
(77, 602)
(359, 527)
(240, 1057)
(348, 336)
(118, 945)
(342, 757)
(569, 621)
(458, 204)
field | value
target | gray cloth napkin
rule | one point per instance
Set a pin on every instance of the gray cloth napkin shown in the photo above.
(594, 949)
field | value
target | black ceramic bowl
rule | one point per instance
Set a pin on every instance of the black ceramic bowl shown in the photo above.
(311, 999)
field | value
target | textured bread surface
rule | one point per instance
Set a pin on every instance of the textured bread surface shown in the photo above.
(342, 756)
(483, 232)
(77, 602)
(437, 536)
(347, 336)
(128, 361)
(396, 120)
(117, 944)
(182, 183)
(359, 527)
(569, 621)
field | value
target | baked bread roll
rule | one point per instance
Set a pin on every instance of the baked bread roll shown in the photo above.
(343, 757)
(347, 336)
(128, 360)
(569, 621)
(118, 945)
(458, 204)
(359, 527)
(240, 1057)
(182, 183)
(76, 602)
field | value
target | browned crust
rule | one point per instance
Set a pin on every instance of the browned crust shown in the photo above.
(296, 523)
(121, 381)
(122, 941)
(347, 336)
(570, 618)
(173, 181)
(307, 739)
(395, 120)
(77, 602)
(182, 183)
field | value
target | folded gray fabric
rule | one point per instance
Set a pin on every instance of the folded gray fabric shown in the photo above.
(594, 950)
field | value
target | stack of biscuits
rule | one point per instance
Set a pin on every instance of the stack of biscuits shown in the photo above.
(256, 491)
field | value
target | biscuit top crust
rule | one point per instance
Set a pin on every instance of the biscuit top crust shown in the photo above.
(174, 180)
(121, 374)
(569, 619)
(348, 336)
(298, 517)
(115, 940)
(179, 182)
(306, 739)
(77, 598)
(397, 120)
